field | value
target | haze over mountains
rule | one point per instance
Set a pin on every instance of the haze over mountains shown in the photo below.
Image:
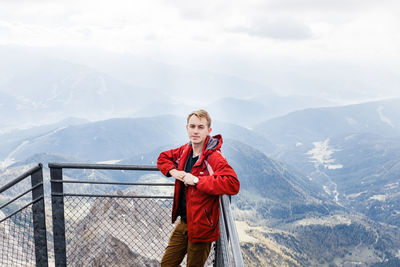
(38, 86)
(319, 182)
(380, 117)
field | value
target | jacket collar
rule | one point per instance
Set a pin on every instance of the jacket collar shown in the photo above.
(211, 144)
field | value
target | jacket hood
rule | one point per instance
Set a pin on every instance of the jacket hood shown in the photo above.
(213, 142)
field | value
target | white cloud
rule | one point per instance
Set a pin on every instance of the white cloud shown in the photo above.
(338, 28)
(281, 29)
(245, 38)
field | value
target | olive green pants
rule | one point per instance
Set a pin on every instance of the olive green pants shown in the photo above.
(179, 245)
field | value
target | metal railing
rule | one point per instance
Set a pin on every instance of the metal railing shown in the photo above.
(23, 239)
(122, 229)
(98, 229)
(108, 229)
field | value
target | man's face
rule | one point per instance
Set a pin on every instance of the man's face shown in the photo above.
(197, 129)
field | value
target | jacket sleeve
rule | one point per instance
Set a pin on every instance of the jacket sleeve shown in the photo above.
(223, 179)
(169, 160)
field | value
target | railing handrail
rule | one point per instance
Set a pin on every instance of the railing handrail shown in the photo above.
(72, 165)
(21, 177)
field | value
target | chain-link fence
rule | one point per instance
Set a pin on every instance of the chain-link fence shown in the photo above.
(22, 221)
(16, 239)
(90, 230)
(118, 231)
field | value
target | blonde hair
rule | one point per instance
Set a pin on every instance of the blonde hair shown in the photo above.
(201, 113)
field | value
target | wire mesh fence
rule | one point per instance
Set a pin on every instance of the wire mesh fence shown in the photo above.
(100, 230)
(118, 231)
(17, 246)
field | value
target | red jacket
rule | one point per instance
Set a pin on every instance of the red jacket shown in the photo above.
(216, 177)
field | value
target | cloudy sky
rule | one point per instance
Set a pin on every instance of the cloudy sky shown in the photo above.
(335, 48)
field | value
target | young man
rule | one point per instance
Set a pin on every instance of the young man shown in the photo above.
(201, 174)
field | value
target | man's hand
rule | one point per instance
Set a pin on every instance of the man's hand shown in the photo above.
(189, 179)
(178, 175)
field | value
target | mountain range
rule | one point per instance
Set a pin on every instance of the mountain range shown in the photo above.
(40, 86)
(114, 139)
(309, 197)
(317, 124)
(351, 151)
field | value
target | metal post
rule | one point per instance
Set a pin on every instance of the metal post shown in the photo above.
(233, 236)
(39, 219)
(57, 201)
(222, 256)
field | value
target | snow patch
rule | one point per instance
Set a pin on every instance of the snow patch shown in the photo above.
(327, 221)
(51, 133)
(381, 198)
(334, 192)
(383, 117)
(326, 189)
(355, 195)
(336, 166)
(321, 154)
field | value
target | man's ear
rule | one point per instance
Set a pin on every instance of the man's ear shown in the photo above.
(209, 130)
